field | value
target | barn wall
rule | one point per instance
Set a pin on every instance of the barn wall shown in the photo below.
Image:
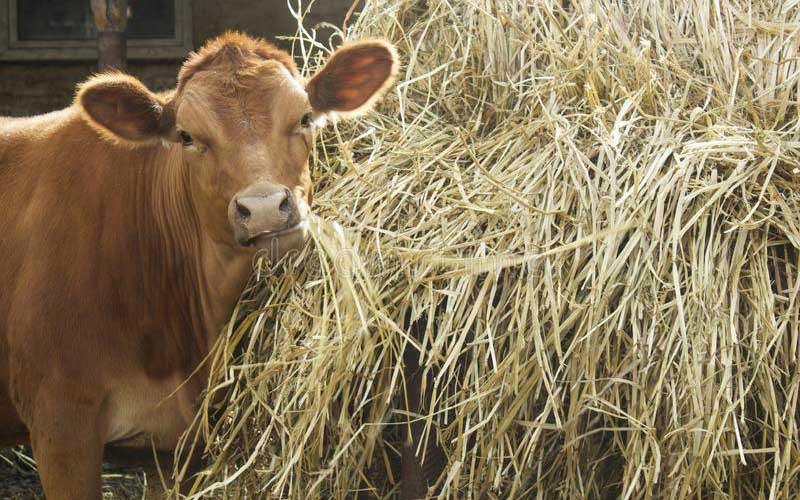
(33, 88)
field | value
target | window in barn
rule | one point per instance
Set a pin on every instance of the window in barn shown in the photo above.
(64, 29)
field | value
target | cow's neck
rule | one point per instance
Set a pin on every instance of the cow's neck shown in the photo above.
(210, 275)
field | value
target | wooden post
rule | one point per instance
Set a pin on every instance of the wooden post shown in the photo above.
(111, 18)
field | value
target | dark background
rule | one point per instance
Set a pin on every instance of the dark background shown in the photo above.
(29, 88)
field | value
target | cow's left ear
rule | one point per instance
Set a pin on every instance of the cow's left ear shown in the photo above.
(123, 110)
(354, 78)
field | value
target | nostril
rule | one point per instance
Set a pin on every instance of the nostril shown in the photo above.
(242, 210)
(286, 204)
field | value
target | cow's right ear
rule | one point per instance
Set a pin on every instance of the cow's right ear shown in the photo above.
(123, 110)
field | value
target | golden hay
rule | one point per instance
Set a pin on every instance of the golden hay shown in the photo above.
(585, 217)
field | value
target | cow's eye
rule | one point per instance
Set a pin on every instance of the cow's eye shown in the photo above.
(186, 138)
(305, 121)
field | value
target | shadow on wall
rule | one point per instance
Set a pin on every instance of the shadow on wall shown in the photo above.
(30, 88)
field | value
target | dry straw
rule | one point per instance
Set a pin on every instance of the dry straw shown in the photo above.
(585, 217)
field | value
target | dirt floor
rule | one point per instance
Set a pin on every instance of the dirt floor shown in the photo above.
(18, 479)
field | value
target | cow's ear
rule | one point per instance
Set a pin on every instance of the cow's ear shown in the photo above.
(354, 78)
(123, 110)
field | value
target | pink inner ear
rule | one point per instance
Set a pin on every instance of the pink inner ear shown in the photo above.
(358, 78)
(126, 111)
(348, 95)
(354, 75)
(363, 62)
(364, 78)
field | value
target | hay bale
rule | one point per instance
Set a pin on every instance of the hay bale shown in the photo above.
(585, 218)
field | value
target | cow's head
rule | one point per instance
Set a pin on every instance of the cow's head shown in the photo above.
(242, 120)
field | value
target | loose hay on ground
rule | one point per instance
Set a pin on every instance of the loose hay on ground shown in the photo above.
(585, 217)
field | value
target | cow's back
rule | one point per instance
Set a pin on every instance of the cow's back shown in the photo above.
(57, 199)
(29, 149)
(21, 146)
(37, 174)
(31, 153)
(87, 288)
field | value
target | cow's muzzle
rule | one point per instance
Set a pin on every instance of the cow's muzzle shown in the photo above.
(267, 216)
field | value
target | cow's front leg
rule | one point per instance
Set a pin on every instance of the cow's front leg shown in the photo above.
(67, 444)
(418, 476)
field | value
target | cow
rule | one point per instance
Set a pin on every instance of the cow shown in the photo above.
(128, 227)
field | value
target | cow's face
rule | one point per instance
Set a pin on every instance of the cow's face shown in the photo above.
(241, 122)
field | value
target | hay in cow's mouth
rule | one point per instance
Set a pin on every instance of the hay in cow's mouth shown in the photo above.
(264, 237)
(585, 217)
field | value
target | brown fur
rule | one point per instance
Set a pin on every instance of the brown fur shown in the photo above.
(233, 48)
(119, 266)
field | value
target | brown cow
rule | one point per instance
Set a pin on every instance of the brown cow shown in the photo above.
(129, 222)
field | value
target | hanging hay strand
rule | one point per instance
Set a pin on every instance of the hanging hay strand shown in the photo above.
(583, 220)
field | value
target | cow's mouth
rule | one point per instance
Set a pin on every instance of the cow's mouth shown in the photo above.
(300, 226)
(266, 239)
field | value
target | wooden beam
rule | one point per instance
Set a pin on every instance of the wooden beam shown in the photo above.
(111, 19)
